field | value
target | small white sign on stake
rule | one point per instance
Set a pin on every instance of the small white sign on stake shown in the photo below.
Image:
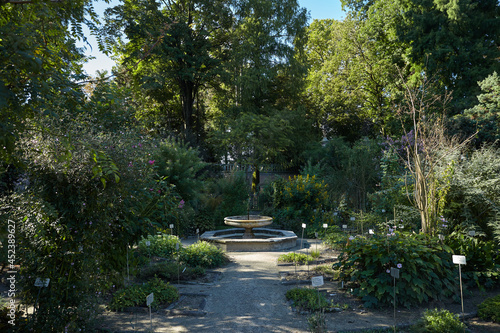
(325, 225)
(303, 225)
(459, 260)
(42, 282)
(353, 218)
(197, 231)
(148, 243)
(150, 299)
(344, 226)
(171, 226)
(370, 231)
(472, 233)
(395, 272)
(317, 281)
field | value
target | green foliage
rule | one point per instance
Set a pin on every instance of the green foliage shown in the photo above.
(438, 321)
(224, 196)
(489, 309)
(483, 259)
(335, 238)
(307, 299)
(170, 271)
(299, 200)
(181, 166)
(161, 245)
(317, 322)
(486, 115)
(203, 254)
(351, 171)
(473, 200)
(300, 258)
(135, 295)
(426, 271)
(349, 100)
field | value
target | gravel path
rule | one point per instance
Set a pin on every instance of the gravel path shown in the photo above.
(248, 297)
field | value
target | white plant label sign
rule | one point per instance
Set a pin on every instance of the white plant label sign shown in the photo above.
(317, 281)
(148, 243)
(344, 226)
(325, 225)
(303, 225)
(149, 299)
(371, 232)
(459, 260)
(42, 282)
(395, 272)
(171, 226)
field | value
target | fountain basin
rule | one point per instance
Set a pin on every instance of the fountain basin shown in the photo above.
(231, 240)
(248, 222)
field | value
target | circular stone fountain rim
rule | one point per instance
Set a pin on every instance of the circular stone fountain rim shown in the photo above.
(248, 218)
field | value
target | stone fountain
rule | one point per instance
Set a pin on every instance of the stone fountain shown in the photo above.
(250, 236)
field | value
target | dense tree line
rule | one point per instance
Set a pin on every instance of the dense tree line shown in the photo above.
(89, 164)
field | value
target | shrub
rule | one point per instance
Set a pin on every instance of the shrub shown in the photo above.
(162, 245)
(335, 238)
(301, 198)
(426, 269)
(489, 309)
(438, 321)
(136, 295)
(300, 258)
(307, 299)
(203, 254)
(483, 259)
(317, 322)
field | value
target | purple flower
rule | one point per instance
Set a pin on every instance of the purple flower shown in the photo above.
(151, 162)
(399, 265)
(181, 203)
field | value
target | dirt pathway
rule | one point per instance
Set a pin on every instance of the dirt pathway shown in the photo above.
(248, 297)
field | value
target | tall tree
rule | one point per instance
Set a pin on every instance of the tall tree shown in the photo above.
(454, 41)
(171, 48)
(348, 83)
(40, 62)
(255, 113)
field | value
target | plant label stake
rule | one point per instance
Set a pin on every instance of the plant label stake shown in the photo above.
(198, 234)
(40, 283)
(302, 239)
(370, 231)
(317, 281)
(178, 263)
(149, 300)
(460, 260)
(171, 229)
(395, 275)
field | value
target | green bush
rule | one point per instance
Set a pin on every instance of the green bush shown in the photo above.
(426, 270)
(300, 258)
(307, 299)
(483, 259)
(162, 245)
(203, 254)
(439, 321)
(300, 200)
(335, 238)
(170, 271)
(136, 295)
(489, 309)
